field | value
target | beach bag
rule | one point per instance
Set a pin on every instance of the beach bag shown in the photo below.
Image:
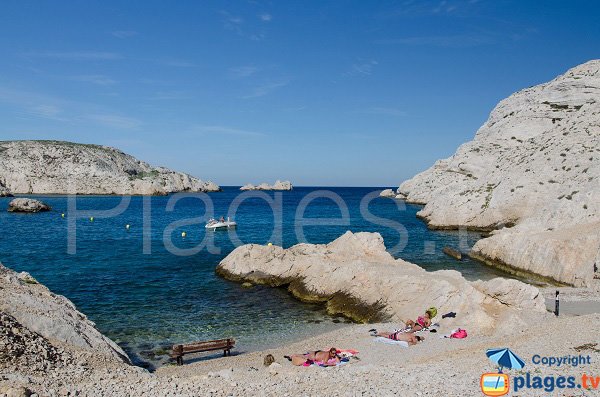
(459, 334)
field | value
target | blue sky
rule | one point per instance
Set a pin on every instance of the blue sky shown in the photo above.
(348, 93)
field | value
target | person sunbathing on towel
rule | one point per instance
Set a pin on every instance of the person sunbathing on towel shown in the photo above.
(422, 321)
(319, 357)
(407, 337)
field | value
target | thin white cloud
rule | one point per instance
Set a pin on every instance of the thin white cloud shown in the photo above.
(295, 108)
(97, 79)
(456, 41)
(76, 55)
(123, 34)
(115, 121)
(34, 104)
(362, 68)
(265, 89)
(265, 17)
(421, 7)
(224, 130)
(257, 36)
(47, 110)
(232, 22)
(64, 110)
(388, 111)
(179, 63)
(242, 71)
(169, 95)
(237, 24)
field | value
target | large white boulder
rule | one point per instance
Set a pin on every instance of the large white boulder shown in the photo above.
(533, 172)
(357, 277)
(27, 205)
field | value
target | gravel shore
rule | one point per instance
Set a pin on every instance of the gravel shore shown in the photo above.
(436, 367)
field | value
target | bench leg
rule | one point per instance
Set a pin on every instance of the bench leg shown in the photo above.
(180, 360)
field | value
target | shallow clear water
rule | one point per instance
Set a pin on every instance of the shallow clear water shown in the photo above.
(146, 301)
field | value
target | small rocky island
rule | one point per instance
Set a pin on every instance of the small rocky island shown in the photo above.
(57, 167)
(278, 185)
(27, 205)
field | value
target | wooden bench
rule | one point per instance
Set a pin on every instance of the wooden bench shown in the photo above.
(220, 344)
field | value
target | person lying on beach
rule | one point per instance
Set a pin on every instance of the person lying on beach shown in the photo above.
(407, 337)
(319, 357)
(422, 321)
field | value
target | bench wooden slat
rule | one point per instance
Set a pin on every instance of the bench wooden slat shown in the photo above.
(196, 347)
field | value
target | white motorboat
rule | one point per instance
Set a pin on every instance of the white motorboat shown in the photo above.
(214, 224)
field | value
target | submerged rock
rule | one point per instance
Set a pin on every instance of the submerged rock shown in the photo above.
(27, 205)
(278, 185)
(55, 167)
(452, 253)
(531, 175)
(355, 276)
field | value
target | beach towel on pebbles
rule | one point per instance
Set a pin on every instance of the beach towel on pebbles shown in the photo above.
(389, 341)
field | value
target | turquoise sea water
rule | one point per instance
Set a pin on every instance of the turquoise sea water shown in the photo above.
(146, 301)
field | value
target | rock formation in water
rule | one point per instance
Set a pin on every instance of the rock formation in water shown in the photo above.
(358, 278)
(531, 176)
(53, 167)
(387, 193)
(278, 185)
(27, 205)
(52, 317)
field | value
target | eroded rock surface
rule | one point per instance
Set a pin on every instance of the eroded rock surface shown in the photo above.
(52, 316)
(4, 192)
(278, 185)
(53, 167)
(533, 172)
(357, 277)
(27, 205)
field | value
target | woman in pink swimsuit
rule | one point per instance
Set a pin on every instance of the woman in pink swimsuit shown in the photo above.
(422, 321)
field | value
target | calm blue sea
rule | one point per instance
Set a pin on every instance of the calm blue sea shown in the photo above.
(147, 301)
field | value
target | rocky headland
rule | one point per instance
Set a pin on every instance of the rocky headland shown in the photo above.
(530, 177)
(56, 167)
(356, 277)
(278, 185)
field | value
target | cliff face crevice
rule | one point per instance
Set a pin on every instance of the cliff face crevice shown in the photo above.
(534, 166)
(53, 167)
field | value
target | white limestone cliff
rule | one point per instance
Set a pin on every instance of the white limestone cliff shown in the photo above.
(54, 167)
(531, 174)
